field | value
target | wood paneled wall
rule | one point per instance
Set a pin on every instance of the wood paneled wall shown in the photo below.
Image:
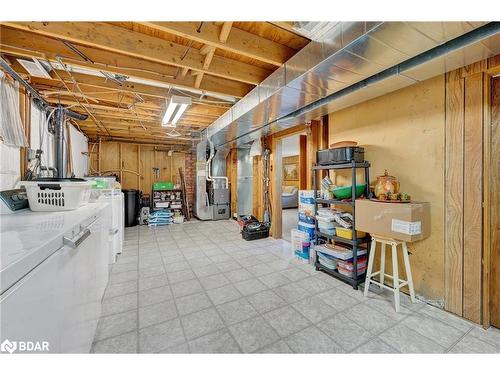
(133, 164)
(466, 180)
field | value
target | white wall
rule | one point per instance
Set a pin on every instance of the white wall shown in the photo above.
(10, 163)
(290, 146)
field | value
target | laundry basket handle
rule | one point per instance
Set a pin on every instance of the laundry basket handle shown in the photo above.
(49, 186)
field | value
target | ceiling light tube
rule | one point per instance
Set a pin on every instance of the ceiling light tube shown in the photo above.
(175, 107)
(169, 112)
(179, 113)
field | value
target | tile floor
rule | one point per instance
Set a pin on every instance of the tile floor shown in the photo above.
(200, 288)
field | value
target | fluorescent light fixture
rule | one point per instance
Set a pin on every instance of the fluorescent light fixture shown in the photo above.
(179, 113)
(175, 108)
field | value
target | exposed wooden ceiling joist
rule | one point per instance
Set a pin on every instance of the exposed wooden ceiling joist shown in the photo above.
(225, 29)
(92, 83)
(116, 39)
(238, 41)
(25, 44)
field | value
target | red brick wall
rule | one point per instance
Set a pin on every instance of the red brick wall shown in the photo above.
(189, 172)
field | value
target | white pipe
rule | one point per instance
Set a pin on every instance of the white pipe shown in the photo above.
(208, 167)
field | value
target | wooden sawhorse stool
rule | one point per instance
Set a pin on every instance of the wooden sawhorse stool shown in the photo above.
(398, 283)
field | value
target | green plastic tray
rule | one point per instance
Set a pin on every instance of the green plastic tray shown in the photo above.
(163, 185)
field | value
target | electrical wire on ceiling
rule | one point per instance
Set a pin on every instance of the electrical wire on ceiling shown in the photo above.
(96, 121)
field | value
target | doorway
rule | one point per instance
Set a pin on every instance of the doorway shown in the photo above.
(290, 159)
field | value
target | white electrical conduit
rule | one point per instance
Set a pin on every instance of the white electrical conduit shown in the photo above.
(208, 167)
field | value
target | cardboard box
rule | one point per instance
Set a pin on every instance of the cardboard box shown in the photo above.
(402, 221)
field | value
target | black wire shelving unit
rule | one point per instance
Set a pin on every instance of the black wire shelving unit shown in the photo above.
(355, 242)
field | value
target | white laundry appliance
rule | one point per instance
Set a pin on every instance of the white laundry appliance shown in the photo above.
(115, 214)
(53, 272)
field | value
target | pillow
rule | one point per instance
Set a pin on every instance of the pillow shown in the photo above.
(288, 189)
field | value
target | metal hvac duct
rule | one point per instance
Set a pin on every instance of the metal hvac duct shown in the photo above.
(352, 62)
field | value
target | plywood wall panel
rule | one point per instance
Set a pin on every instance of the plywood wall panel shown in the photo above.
(110, 157)
(134, 163)
(130, 166)
(147, 160)
(178, 161)
(404, 132)
(473, 230)
(454, 174)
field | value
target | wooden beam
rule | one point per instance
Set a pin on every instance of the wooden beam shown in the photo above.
(24, 44)
(91, 84)
(224, 31)
(198, 79)
(120, 40)
(239, 41)
(184, 71)
(209, 55)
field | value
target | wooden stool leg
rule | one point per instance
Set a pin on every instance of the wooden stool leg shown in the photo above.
(395, 275)
(370, 267)
(408, 272)
(382, 264)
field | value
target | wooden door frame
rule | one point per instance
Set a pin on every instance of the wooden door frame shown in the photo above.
(276, 174)
(488, 223)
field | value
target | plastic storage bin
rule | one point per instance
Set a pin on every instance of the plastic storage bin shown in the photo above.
(347, 233)
(55, 194)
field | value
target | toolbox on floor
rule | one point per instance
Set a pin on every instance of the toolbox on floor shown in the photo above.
(254, 231)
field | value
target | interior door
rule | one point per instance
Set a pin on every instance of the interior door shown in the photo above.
(495, 204)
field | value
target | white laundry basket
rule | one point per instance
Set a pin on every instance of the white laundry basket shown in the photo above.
(57, 195)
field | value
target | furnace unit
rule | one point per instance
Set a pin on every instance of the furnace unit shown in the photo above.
(212, 200)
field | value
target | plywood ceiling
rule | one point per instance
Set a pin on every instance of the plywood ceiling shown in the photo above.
(215, 63)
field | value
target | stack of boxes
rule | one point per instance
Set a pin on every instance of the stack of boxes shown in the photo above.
(304, 235)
